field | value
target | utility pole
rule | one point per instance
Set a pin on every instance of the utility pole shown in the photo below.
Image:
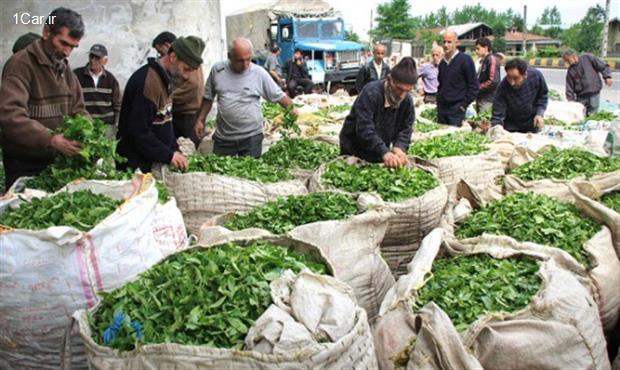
(605, 29)
(524, 30)
(370, 29)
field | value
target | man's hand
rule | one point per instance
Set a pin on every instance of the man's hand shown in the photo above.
(199, 129)
(402, 156)
(539, 122)
(421, 92)
(609, 81)
(391, 160)
(64, 145)
(179, 161)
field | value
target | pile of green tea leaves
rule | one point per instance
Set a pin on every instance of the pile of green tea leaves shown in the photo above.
(453, 144)
(335, 108)
(537, 218)
(390, 183)
(162, 192)
(469, 287)
(244, 167)
(554, 95)
(96, 160)
(424, 127)
(601, 116)
(300, 153)
(430, 114)
(612, 200)
(198, 297)
(284, 214)
(271, 110)
(552, 121)
(80, 209)
(565, 164)
(483, 116)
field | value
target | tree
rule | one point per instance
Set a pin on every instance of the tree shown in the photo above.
(550, 16)
(586, 35)
(393, 21)
(351, 36)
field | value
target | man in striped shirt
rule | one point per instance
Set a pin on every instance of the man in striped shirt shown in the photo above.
(102, 93)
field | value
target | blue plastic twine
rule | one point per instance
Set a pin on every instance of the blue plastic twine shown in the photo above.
(110, 333)
(138, 328)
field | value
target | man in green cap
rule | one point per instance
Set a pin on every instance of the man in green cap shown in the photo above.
(145, 131)
(25, 40)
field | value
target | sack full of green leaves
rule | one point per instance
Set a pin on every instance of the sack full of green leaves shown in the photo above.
(251, 303)
(426, 125)
(341, 225)
(415, 195)
(459, 156)
(301, 156)
(57, 252)
(560, 230)
(488, 303)
(215, 185)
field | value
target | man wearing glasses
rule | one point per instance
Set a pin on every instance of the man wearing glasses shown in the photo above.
(379, 127)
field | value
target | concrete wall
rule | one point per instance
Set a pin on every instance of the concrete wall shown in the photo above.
(126, 28)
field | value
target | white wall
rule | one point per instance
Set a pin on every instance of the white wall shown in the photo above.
(126, 28)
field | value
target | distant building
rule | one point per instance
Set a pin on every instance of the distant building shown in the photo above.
(514, 42)
(613, 39)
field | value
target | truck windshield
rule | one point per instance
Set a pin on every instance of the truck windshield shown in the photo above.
(308, 29)
(331, 29)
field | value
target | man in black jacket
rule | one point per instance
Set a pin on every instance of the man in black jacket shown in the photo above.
(378, 128)
(376, 69)
(297, 75)
(583, 83)
(488, 75)
(145, 129)
(458, 85)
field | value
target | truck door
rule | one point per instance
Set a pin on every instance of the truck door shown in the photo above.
(285, 40)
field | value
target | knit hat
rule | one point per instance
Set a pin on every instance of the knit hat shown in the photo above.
(25, 40)
(189, 49)
(405, 71)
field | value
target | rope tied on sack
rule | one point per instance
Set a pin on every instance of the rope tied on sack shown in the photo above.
(110, 333)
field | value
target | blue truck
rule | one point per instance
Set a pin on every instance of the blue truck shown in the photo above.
(318, 32)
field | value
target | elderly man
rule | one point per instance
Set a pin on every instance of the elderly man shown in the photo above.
(428, 74)
(145, 130)
(38, 89)
(583, 83)
(458, 85)
(376, 69)
(488, 75)
(102, 94)
(238, 85)
(378, 128)
(521, 98)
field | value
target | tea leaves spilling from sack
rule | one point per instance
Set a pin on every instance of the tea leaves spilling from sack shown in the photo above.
(300, 153)
(537, 218)
(81, 209)
(430, 114)
(565, 164)
(601, 116)
(244, 167)
(454, 144)
(390, 183)
(424, 127)
(469, 287)
(201, 296)
(284, 214)
(612, 200)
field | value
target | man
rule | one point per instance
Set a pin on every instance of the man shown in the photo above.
(238, 85)
(297, 75)
(145, 129)
(25, 40)
(488, 75)
(376, 69)
(428, 74)
(583, 83)
(37, 90)
(458, 85)
(273, 66)
(521, 98)
(102, 94)
(186, 94)
(381, 117)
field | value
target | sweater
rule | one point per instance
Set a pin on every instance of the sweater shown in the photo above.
(145, 129)
(371, 127)
(582, 78)
(104, 100)
(457, 81)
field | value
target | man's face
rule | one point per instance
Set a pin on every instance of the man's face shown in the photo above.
(378, 54)
(240, 59)
(399, 90)
(514, 78)
(297, 55)
(481, 51)
(179, 69)
(570, 59)
(449, 43)
(162, 49)
(96, 63)
(62, 43)
(436, 55)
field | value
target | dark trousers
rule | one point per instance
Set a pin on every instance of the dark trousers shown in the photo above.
(450, 114)
(251, 146)
(430, 98)
(183, 124)
(303, 82)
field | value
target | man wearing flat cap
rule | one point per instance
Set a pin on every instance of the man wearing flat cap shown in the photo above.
(145, 131)
(378, 128)
(102, 93)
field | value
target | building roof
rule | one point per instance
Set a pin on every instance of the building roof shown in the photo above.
(461, 29)
(518, 36)
(298, 8)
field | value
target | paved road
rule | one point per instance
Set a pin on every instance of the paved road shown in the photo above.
(556, 79)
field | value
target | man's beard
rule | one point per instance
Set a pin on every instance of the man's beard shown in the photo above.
(394, 98)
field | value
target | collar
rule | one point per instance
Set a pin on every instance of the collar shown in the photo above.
(36, 49)
(453, 55)
(161, 71)
(89, 73)
(380, 65)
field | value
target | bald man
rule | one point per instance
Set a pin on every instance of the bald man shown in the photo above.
(238, 85)
(458, 84)
(376, 69)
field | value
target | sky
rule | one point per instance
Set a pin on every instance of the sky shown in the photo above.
(356, 13)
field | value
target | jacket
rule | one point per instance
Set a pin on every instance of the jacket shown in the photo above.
(582, 78)
(104, 100)
(369, 73)
(488, 77)
(187, 95)
(304, 70)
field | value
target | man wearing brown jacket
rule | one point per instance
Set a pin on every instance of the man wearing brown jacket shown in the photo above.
(38, 89)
